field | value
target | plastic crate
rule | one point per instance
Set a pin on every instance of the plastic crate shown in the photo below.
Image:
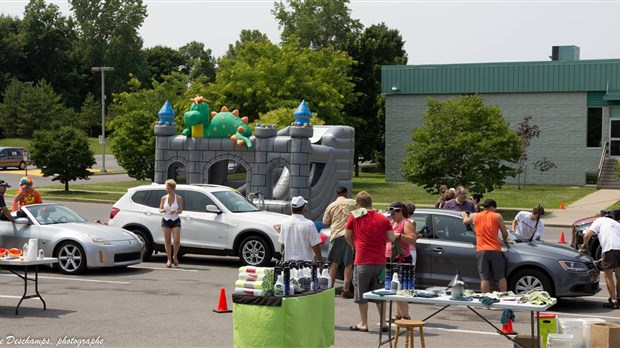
(548, 324)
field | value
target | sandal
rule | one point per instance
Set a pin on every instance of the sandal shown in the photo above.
(393, 319)
(384, 329)
(357, 328)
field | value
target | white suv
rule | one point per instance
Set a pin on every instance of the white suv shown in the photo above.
(216, 220)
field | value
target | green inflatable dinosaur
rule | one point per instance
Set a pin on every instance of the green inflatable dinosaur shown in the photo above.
(201, 123)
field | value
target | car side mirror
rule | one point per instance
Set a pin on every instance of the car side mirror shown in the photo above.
(22, 221)
(213, 209)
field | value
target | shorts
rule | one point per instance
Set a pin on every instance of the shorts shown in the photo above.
(490, 261)
(611, 259)
(340, 252)
(171, 223)
(365, 278)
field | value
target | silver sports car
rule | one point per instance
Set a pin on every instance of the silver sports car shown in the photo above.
(77, 243)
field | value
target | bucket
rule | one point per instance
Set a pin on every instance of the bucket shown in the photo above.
(560, 341)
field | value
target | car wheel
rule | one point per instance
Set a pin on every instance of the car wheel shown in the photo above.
(254, 251)
(22, 165)
(71, 258)
(598, 251)
(147, 249)
(530, 279)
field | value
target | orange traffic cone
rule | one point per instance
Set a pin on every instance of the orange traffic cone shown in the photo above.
(507, 328)
(222, 307)
(562, 205)
(562, 240)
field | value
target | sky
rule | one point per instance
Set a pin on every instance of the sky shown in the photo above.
(435, 32)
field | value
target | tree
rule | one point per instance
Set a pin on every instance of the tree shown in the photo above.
(283, 117)
(108, 36)
(133, 114)
(198, 61)
(11, 53)
(163, 61)
(378, 45)
(260, 77)
(28, 107)
(90, 115)
(317, 23)
(62, 152)
(50, 54)
(476, 153)
(527, 132)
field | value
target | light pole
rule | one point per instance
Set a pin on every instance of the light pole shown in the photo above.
(103, 69)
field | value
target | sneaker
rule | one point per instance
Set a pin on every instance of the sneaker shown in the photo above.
(611, 304)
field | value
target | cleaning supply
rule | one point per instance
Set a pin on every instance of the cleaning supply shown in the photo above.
(325, 281)
(395, 285)
(278, 288)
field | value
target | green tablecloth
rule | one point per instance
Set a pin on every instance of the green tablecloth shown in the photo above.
(304, 321)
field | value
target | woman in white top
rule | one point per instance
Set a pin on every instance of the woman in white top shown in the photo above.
(171, 205)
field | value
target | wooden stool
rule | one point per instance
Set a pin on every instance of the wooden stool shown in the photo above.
(409, 325)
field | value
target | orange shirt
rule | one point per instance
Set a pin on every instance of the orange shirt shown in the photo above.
(30, 196)
(486, 224)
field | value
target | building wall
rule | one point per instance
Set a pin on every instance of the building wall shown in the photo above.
(561, 117)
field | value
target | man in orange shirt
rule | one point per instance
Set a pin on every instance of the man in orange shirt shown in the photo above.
(489, 254)
(26, 194)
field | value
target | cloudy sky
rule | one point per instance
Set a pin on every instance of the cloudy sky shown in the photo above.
(436, 32)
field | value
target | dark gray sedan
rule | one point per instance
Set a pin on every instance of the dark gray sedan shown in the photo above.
(449, 245)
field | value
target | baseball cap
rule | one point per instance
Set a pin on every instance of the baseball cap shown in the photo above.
(298, 202)
(341, 189)
(490, 203)
(4, 183)
(396, 206)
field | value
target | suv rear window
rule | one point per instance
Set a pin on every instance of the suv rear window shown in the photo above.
(150, 198)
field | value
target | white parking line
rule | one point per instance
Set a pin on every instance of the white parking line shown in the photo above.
(75, 279)
(167, 269)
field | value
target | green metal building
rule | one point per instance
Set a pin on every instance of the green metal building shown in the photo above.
(575, 103)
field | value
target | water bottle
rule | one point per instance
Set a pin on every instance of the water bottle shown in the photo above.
(287, 281)
(388, 278)
(395, 282)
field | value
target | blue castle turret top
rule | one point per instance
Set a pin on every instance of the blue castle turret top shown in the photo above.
(302, 114)
(166, 114)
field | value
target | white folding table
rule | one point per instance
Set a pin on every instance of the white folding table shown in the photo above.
(13, 264)
(472, 305)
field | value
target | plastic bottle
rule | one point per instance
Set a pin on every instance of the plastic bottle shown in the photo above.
(278, 288)
(395, 282)
(25, 251)
(412, 278)
(325, 281)
(388, 277)
(287, 281)
(314, 282)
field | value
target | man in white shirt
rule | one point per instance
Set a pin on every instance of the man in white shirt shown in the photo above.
(299, 239)
(608, 231)
(529, 226)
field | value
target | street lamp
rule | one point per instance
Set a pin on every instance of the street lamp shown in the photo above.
(103, 69)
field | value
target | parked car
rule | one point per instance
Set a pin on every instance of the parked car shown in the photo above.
(580, 227)
(13, 157)
(78, 244)
(449, 246)
(217, 220)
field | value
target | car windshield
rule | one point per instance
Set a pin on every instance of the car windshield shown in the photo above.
(235, 202)
(54, 214)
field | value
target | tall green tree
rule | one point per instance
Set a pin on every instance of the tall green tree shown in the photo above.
(62, 153)
(478, 151)
(11, 51)
(162, 61)
(133, 114)
(50, 54)
(90, 116)
(198, 61)
(28, 107)
(260, 77)
(108, 36)
(317, 23)
(378, 45)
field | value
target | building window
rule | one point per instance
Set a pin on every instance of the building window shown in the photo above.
(595, 127)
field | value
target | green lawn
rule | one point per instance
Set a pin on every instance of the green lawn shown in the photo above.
(93, 143)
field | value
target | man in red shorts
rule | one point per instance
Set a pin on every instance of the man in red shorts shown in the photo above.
(367, 232)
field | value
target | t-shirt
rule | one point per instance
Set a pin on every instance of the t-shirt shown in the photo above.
(2, 204)
(298, 235)
(398, 228)
(526, 226)
(466, 205)
(336, 216)
(608, 232)
(487, 226)
(30, 196)
(369, 236)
